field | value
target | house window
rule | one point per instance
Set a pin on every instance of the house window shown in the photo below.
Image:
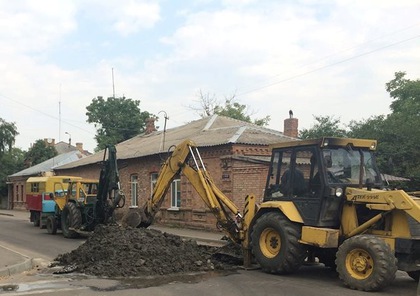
(134, 184)
(17, 193)
(176, 193)
(153, 180)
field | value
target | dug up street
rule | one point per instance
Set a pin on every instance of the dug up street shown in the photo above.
(27, 251)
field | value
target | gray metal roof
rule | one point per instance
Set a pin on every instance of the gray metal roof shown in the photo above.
(50, 164)
(63, 147)
(210, 131)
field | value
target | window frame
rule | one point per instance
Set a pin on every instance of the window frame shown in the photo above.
(134, 181)
(176, 188)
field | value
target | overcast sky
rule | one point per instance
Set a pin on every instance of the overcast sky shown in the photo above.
(314, 57)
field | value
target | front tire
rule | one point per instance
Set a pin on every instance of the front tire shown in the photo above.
(275, 244)
(366, 263)
(71, 217)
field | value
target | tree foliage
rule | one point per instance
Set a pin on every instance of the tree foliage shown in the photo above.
(10, 163)
(406, 94)
(325, 126)
(11, 159)
(8, 133)
(39, 152)
(397, 133)
(210, 105)
(116, 119)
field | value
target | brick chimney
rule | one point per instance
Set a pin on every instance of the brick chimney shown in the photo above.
(79, 146)
(291, 126)
(49, 142)
(150, 126)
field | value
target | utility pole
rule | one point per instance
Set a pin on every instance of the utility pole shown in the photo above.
(113, 85)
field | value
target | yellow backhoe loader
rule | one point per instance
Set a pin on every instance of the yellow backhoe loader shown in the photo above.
(324, 201)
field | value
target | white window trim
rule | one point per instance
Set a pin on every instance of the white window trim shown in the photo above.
(134, 193)
(175, 181)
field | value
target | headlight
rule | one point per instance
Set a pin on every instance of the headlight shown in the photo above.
(339, 192)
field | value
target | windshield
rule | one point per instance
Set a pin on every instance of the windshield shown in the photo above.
(346, 165)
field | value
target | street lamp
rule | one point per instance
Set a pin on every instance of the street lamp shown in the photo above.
(69, 138)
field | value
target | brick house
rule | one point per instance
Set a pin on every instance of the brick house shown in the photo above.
(235, 153)
(16, 198)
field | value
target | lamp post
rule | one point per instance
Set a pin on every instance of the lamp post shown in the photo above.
(69, 138)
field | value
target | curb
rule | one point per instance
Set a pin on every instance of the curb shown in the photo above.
(17, 268)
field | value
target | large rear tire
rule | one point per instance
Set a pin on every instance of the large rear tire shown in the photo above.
(275, 244)
(71, 217)
(366, 263)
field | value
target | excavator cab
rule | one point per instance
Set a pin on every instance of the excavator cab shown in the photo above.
(314, 175)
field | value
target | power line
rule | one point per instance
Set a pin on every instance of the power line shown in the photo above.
(44, 113)
(327, 66)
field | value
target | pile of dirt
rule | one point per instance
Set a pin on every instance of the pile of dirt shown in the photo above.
(114, 251)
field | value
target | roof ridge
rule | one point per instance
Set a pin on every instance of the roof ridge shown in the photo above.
(238, 133)
(210, 122)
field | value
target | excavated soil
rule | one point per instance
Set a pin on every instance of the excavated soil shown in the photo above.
(114, 251)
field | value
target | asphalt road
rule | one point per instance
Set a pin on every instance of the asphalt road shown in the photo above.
(35, 242)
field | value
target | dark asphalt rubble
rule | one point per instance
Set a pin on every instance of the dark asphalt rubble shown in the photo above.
(115, 251)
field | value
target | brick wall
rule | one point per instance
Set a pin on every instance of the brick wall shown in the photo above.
(18, 193)
(235, 178)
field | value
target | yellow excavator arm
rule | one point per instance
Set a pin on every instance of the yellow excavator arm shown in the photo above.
(228, 216)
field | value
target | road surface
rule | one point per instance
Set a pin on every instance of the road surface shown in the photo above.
(20, 235)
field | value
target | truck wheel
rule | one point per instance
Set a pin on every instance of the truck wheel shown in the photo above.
(37, 219)
(51, 225)
(366, 262)
(41, 225)
(275, 245)
(71, 217)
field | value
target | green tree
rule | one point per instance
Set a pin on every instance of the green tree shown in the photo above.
(397, 134)
(39, 152)
(406, 94)
(10, 163)
(116, 120)
(375, 127)
(209, 105)
(8, 133)
(325, 126)
(11, 159)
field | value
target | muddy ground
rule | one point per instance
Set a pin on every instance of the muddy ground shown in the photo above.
(115, 251)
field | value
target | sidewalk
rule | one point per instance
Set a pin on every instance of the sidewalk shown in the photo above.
(12, 262)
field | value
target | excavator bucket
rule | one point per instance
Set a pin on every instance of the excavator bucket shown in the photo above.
(135, 218)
